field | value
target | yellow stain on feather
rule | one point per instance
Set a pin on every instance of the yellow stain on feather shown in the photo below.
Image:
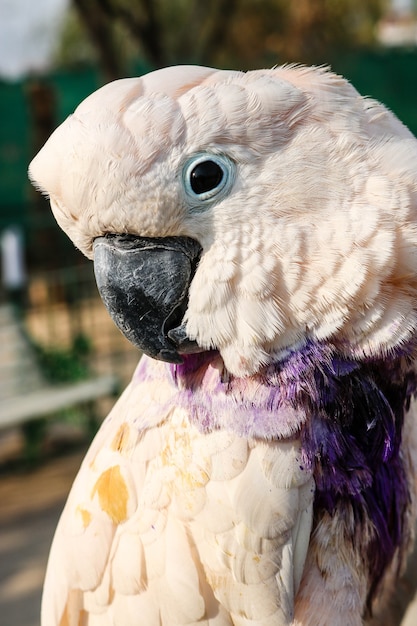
(85, 516)
(178, 453)
(121, 438)
(65, 620)
(83, 620)
(70, 611)
(112, 493)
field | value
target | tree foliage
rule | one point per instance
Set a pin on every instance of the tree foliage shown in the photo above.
(233, 33)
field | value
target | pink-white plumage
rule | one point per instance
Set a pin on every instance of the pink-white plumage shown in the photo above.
(250, 485)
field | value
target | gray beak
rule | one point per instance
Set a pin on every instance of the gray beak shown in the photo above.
(144, 284)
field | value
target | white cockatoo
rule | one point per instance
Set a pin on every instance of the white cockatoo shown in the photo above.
(255, 235)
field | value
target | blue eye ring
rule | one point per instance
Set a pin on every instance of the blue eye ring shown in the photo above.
(208, 176)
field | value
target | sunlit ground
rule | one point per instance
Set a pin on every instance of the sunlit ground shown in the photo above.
(30, 505)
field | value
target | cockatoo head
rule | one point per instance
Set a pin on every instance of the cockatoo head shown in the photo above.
(248, 213)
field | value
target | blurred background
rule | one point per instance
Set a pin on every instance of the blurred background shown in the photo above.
(62, 360)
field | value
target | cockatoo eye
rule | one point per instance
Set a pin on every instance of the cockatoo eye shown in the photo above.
(208, 176)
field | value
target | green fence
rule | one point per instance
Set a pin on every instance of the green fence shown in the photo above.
(17, 135)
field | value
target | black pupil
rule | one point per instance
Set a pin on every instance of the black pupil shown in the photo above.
(206, 176)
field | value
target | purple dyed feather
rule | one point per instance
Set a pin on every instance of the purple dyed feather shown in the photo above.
(349, 415)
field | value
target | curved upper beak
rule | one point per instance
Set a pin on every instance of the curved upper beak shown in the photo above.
(144, 284)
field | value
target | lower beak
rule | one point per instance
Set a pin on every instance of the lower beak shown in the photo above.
(144, 284)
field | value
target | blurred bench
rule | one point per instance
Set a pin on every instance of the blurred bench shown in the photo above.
(25, 395)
